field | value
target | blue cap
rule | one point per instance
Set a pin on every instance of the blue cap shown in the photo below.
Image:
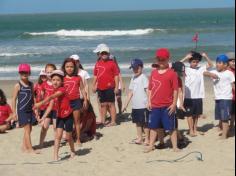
(222, 58)
(135, 63)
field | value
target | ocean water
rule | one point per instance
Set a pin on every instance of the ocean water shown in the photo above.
(39, 39)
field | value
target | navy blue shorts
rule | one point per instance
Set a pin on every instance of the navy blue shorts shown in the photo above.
(52, 114)
(76, 104)
(106, 96)
(25, 118)
(160, 118)
(223, 110)
(194, 107)
(233, 108)
(140, 116)
(66, 123)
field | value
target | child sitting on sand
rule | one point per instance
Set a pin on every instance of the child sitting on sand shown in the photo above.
(22, 106)
(138, 91)
(224, 82)
(5, 113)
(64, 119)
(194, 89)
(163, 95)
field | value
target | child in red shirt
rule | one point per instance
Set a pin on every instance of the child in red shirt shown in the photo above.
(5, 113)
(106, 82)
(163, 95)
(65, 112)
(48, 112)
(73, 85)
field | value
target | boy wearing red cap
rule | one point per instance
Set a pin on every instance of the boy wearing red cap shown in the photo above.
(163, 95)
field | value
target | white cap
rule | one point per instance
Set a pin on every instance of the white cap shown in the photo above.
(231, 55)
(105, 49)
(57, 72)
(42, 73)
(75, 57)
(98, 49)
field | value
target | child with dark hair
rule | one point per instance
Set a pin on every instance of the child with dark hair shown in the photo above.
(73, 85)
(5, 113)
(194, 89)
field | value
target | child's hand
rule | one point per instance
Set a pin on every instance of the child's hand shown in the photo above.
(14, 117)
(116, 91)
(214, 76)
(94, 89)
(204, 55)
(172, 109)
(36, 106)
(182, 108)
(85, 104)
(189, 56)
(149, 106)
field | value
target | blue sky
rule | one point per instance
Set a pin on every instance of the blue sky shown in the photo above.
(46, 6)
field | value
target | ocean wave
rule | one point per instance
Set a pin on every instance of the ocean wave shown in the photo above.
(17, 54)
(82, 33)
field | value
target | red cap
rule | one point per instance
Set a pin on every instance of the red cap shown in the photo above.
(24, 68)
(163, 53)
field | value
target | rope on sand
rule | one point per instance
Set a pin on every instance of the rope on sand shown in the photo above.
(199, 157)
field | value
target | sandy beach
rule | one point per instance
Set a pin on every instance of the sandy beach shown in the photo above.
(112, 154)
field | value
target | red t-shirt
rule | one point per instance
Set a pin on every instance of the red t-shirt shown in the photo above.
(48, 90)
(162, 87)
(5, 112)
(106, 71)
(38, 89)
(63, 103)
(232, 70)
(72, 86)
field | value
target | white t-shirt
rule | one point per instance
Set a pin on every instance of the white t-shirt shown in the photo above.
(223, 86)
(194, 83)
(138, 86)
(85, 76)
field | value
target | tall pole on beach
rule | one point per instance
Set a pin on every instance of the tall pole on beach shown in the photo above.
(196, 40)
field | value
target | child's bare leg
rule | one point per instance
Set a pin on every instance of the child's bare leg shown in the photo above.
(174, 140)
(76, 115)
(161, 136)
(99, 120)
(112, 109)
(153, 138)
(119, 103)
(225, 133)
(232, 122)
(44, 131)
(139, 133)
(57, 143)
(147, 135)
(190, 124)
(195, 125)
(27, 136)
(54, 122)
(103, 112)
(71, 143)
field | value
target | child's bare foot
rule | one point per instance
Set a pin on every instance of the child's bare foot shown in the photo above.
(201, 133)
(146, 143)
(176, 150)
(72, 155)
(33, 151)
(137, 141)
(79, 144)
(149, 149)
(112, 124)
(193, 135)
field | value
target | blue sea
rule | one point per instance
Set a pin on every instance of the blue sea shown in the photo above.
(39, 39)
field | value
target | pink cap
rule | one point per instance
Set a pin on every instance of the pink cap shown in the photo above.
(24, 68)
(163, 53)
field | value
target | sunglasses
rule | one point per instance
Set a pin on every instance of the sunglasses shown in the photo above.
(104, 53)
(24, 73)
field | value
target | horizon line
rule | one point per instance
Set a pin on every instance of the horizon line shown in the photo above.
(109, 11)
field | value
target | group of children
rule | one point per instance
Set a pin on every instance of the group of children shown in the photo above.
(173, 91)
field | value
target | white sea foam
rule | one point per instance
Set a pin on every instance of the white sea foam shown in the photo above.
(17, 54)
(82, 33)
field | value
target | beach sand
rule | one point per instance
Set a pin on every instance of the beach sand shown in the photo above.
(112, 155)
